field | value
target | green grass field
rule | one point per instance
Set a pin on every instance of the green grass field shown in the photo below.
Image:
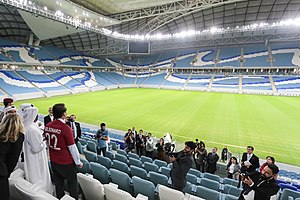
(271, 124)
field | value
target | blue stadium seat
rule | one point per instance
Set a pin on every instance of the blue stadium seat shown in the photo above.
(288, 192)
(212, 177)
(232, 190)
(121, 158)
(207, 193)
(229, 181)
(287, 186)
(122, 152)
(231, 197)
(195, 172)
(110, 155)
(100, 172)
(144, 187)
(120, 166)
(86, 166)
(91, 146)
(157, 178)
(165, 171)
(192, 178)
(114, 145)
(211, 184)
(135, 162)
(133, 155)
(150, 167)
(90, 156)
(160, 163)
(121, 179)
(188, 188)
(146, 159)
(106, 162)
(139, 172)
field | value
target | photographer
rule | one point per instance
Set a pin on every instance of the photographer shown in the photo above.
(101, 137)
(260, 186)
(182, 162)
(201, 154)
(129, 140)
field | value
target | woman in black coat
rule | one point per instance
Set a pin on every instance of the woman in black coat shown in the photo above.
(11, 142)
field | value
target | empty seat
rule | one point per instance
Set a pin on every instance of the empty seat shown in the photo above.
(288, 192)
(195, 172)
(160, 163)
(188, 188)
(166, 193)
(86, 166)
(120, 166)
(112, 193)
(212, 177)
(79, 147)
(231, 197)
(165, 171)
(137, 171)
(121, 158)
(232, 190)
(207, 193)
(157, 178)
(150, 167)
(82, 141)
(144, 187)
(104, 161)
(192, 178)
(229, 181)
(146, 159)
(90, 156)
(214, 185)
(133, 155)
(122, 152)
(91, 146)
(91, 188)
(110, 155)
(121, 179)
(287, 186)
(100, 172)
(114, 146)
(135, 162)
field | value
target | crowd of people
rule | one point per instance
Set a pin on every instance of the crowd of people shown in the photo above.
(20, 131)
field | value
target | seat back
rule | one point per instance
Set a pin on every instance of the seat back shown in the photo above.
(91, 188)
(106, 162)
(82, 141)
(166, 193)
(231, 197)
(207, 193)
(188, 188)
(133, 155)
(287, 186)
(121, 179)
(79, 147)
(157, 178)
(146, 159)
(91, 146)
(90, 156)
(214, 185)
(114, 145)
(121, 158)
(135, 162)
(160, 163)
(86, 166)
(288, 192)
(165, 171)
(110, 155)
(191, 178)
(150, 167)
(232, 190)
(122, 152)
(229, 181)
(212, 177)
(112, 193)
(137, 171)
(144, 187)
(120, 166)
(100, 172)
(195, 172)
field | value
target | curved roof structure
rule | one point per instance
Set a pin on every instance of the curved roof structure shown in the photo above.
(163, 17)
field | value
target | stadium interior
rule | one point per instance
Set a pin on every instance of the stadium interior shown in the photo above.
(65, 47)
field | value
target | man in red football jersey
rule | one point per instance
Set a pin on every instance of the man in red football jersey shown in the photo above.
(64, 154)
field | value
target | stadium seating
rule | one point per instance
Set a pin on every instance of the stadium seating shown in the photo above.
(106, 162)
(157, 178)
(100, 172)
(112, 193)
(137, 171)
(207, 193)
(150, 167)
(192, 178)
(90, 156)
(135, 162)
(92, 188)
(121, 179)
(289, 193)
(166, 193)
(144, 187)
(211, 184)
(86, 166)
(119, 165)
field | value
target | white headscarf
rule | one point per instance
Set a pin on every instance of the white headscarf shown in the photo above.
(29, 114)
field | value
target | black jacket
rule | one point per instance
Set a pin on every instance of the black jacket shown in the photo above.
(253, 160)
(212, 162)
(9, 155)
(263, 189)
(78, 130)
(47, 119)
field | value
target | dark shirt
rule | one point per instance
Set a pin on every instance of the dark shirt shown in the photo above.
(9, 155)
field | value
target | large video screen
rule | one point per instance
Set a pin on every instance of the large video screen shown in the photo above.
(138, 47)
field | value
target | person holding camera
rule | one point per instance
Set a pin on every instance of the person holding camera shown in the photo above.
(102, 137)
(149, 145)
(129, 140)
(201, 154)
(260, 186)
(182, 162)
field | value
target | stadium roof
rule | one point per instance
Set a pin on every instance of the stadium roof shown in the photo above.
(164, 17)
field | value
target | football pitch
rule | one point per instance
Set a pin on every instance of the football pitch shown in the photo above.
(270, 123)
